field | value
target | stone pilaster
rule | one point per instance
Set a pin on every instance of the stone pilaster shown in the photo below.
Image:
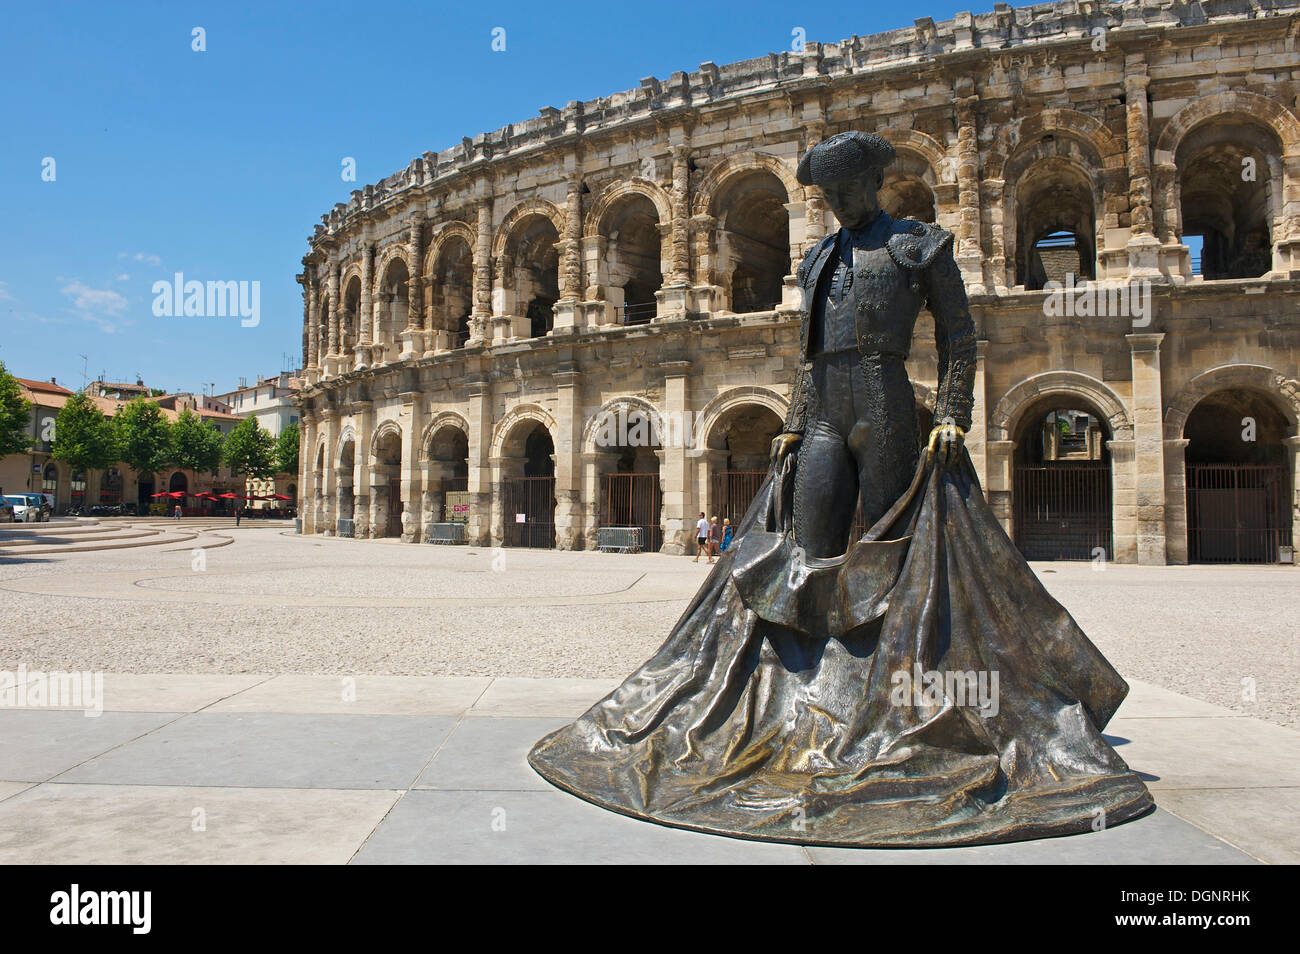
(481, 316)
(1176, 542)
(412, 335)
(1149, 447)
(970, 258)
(413, 422)
(335, 279)
(366, 320)
(676, 457)
(569, 526)
(1143, 246)
(478, 530)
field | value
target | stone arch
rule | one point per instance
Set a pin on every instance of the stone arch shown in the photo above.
(1013, 405)
(717, 179)
(926, 148)
(521, 212)
(350, 271)
(386, 428)
(348, 433)
(440, 420)
(1014, 136)
(1241, 103)
(517, 415)
(396, 250)
(595, 220)
(613, 406)
(1283, 392)
(441, 236)
(721, 404)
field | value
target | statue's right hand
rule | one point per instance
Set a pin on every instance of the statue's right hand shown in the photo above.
(782, 444)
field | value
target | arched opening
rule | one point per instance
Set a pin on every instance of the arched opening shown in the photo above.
(447, 488)
(393, 304)
(77, 491)
(1238, 481)
(1062, 485)
(292, 493)
(350, 317)
(739, 442)
(528, 486)
(344, 476)
(529, 272)
(906, 195)
(110, 488)
(628, 471)
(177, 483)
(1056, 224)
(753, 241)
(452, 294)
(387, 484)
(1227, 180)
(633, 254)
(50, 481)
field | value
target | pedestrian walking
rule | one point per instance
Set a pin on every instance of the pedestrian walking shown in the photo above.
(239, 512)
(701, 536)
(177, 514)
(726, 532)
(715, 537)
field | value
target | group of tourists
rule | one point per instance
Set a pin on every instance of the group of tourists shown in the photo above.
(711, 537)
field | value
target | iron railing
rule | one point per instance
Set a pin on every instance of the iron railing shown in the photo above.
(344, 527)
(1062, 510)
(633, 500)
(619, 539)
(1237, 513)
(447, 533)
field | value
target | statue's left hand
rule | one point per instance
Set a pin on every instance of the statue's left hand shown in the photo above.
(945, 444)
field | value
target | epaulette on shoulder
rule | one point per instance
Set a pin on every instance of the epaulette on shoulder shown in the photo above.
(915, 244)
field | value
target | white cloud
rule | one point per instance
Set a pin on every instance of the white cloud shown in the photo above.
(123, 278)
(4, 292)
(99, 305)
(146, 257)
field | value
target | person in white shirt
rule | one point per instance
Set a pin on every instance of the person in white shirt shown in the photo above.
(701, 536)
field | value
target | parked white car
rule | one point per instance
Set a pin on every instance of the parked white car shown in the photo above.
(28, 508)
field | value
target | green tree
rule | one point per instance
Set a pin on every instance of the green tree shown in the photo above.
(83, 437)
(286, 450)
(196, 443)
(250, 450)
(144, 438)
(15, 415)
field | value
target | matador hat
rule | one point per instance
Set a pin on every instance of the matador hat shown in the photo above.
(844, 154)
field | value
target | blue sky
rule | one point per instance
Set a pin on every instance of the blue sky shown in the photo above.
(218, 164)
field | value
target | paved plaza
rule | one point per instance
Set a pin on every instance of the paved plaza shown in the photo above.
(275, 698)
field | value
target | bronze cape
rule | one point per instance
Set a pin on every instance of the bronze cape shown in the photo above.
(776, 710)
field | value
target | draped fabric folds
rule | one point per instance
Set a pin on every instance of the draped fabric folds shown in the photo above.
(923, 689)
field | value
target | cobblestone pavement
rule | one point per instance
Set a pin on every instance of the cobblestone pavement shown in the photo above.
(274, 602)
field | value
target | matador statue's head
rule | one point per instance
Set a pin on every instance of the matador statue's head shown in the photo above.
(849, 168)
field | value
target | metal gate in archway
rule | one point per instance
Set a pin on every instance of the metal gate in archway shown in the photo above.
(733, 492)
(633, 500)
(533, 500)
(1062, 510)
(1237, 513)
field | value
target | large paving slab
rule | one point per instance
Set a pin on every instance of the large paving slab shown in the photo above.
(432, 827)
(490, 755)
(132, 824)
(38, 744)
(281, 750)
(542, 697)
(164, 692)
(369, 695)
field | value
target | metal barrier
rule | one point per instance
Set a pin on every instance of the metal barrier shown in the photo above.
(345, 527)
(447, 533)
(297, 524)
(619, 539)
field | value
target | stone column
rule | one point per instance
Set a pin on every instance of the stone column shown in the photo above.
(673, 299)
(327, 480)
(413, 414)
(1292, 445)
(997, 488)
(995, 271)
(676, 457)
(590, 501)
(478, 529)
(970, 258)
(977, 436)
(706, 294)
(307, 473)
(361, 469)
(1148, 449)
(571, 285)
(316, 347)
(1176, 542)
(365, 321)
(1143, 246)
(569, 527)
(332, 360)
(308, 322)
(480, 322)
(413, 339)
